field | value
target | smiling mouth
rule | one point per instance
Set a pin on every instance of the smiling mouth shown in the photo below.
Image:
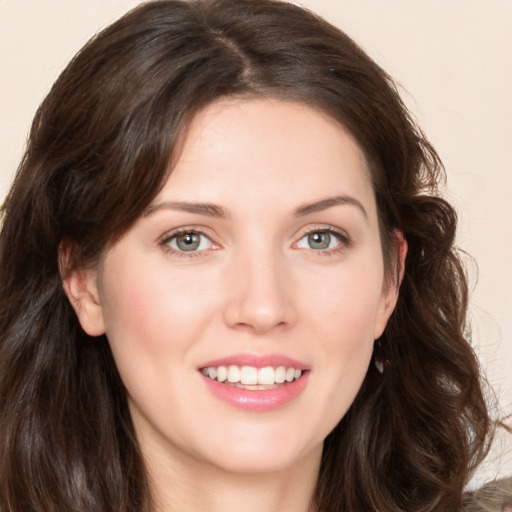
(252, 378)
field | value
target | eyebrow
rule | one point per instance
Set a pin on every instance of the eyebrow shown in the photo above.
(329, 202)
(208, 209)
(213, 210)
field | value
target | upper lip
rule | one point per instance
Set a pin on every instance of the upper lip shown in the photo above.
(256, 360)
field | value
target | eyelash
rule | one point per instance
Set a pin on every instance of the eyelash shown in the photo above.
(341, 236)
(167, 239)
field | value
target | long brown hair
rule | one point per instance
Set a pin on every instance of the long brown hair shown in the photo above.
(99, 151)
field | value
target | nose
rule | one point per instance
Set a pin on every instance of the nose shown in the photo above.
(261, 296)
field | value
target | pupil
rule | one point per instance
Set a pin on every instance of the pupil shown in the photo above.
(188, 241)
(319, 240)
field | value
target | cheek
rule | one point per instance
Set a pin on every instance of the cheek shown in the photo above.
(346, 303)
(342, 309)
(345, 311)
(150, 311)
(154, 323)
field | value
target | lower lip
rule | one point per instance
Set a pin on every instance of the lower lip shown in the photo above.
(257, 400)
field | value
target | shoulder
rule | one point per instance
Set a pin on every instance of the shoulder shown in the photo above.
(495, 496)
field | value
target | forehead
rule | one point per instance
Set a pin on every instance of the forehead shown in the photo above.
(257, 149)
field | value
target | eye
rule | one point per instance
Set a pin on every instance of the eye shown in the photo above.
(320, 240)
(188, 241)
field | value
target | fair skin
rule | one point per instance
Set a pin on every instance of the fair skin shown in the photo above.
(262, 249)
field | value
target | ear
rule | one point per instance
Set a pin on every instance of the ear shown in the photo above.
(392, 285)
(81, 287)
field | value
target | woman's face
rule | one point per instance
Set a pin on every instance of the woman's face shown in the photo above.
(260, 260)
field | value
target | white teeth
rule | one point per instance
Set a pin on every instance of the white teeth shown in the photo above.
(280, 374)
(249, 375)
(234, 373)
(266, 375)
(222, 373)
(252, 376)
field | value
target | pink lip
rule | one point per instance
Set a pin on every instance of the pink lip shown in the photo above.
(257, 400)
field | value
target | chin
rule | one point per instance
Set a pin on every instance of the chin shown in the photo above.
(260, 463)
(261, 454)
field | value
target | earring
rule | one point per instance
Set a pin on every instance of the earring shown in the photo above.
(379, 363)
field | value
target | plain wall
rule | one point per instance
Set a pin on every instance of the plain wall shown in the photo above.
(453, 61)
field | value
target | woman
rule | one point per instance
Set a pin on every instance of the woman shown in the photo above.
(228, 280)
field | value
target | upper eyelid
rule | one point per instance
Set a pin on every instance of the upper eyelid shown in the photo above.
(175, 234)
(182, 230)
(323, 227)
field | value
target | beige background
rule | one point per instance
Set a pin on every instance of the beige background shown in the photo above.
(453, 59)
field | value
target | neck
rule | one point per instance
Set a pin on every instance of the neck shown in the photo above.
(181, 485)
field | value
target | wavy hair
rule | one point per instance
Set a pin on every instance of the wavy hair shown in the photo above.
(101, 148)
(495, 496)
